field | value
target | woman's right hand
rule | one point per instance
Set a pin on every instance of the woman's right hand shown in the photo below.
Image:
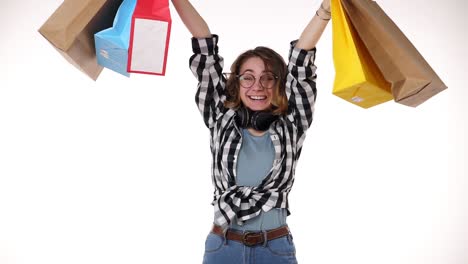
(192, 19)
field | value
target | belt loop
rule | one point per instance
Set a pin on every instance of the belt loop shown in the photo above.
(225, 236)
(265, 238)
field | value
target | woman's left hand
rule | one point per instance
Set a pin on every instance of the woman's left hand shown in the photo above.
(326, 5)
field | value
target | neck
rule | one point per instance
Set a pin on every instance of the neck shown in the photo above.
(256, 133)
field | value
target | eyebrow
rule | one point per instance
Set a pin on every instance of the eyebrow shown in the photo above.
(250, 70)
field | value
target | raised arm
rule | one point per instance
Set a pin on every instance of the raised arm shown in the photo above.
(300, 84)
(313, 31)
(205, 63)
(192, 19)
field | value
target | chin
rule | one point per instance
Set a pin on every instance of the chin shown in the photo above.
(259, 108)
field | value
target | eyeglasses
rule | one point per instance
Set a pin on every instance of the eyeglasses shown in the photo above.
(267, 80)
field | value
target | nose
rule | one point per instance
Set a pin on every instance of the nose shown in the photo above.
(257, 85)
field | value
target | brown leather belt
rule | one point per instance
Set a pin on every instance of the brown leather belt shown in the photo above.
(252, 238)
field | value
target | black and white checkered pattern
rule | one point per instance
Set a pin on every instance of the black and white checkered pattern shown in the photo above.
(287, 133)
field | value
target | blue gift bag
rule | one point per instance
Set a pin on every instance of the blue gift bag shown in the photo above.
(112, 43)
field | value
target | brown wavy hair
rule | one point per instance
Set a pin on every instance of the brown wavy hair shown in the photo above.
(273, 63)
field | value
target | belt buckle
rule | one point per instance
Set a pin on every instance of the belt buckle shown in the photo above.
(245, 238)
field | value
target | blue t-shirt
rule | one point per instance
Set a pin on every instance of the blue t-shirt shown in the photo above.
(254, 162)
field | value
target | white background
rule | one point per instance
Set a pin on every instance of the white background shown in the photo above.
(118, 170)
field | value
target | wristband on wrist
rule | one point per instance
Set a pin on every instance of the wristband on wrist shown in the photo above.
(325, 10)
(326, 19)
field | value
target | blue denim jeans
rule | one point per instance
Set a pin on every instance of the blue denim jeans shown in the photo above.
(276, 251)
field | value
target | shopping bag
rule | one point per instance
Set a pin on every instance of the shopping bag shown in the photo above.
(112, 43)
(357, 78)
(412, 79)
(71, 28)
(149, 37)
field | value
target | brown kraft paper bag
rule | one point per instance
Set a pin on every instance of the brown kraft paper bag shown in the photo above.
(412, 79)
(70, 29)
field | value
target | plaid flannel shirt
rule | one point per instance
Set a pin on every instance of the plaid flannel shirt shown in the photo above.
(287, 133)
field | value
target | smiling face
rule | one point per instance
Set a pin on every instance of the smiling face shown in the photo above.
(243, 88)
(256, 98)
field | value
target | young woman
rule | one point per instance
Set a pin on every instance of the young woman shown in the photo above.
(258, 115)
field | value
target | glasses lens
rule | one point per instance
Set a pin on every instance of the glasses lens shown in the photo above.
(246, 80)
(268, 80)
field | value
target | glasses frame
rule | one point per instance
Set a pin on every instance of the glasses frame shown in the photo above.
(228, 74)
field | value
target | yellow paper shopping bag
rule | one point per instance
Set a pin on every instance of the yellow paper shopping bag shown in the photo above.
(357, 78)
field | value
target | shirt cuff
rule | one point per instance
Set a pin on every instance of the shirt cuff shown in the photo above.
(205, 46)
(301, 57)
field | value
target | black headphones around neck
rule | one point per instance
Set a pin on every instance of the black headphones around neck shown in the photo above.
(258, 120)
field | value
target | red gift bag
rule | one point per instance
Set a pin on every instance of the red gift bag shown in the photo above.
(149, 37)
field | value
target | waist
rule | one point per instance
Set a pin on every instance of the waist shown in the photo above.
(266, 220)
(252, 238)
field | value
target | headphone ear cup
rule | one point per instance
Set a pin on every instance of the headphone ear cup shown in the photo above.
(243, 117)
(262, 120)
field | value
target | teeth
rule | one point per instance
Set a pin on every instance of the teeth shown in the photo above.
(257, 97)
